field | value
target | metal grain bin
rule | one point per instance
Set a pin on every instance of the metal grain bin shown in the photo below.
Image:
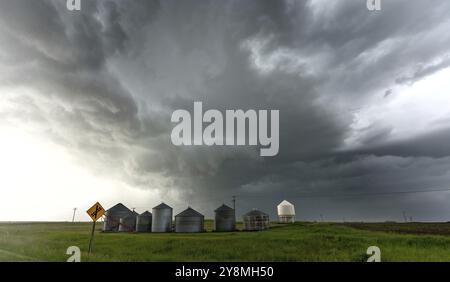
(144, 222)
(113, 216)
(162, 218)
(225, 219)
(256, 220)
(128, 223)
(286, 212)
(189, 220)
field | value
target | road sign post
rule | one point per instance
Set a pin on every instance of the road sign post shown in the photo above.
(92, 237)
(95, 212)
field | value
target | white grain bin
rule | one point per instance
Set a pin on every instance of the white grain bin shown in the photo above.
(256, 220)
(189, 220)
(162, 218)
(286, 212)
(225, 219)
(144, 222)
(128, 223)
(113, 216)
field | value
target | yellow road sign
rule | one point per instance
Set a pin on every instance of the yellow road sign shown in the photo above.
(96, 211)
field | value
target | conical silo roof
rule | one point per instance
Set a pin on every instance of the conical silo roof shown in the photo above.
(146, 213)
(255, 213)
(223, 208)
(285, 203)
(162, 206)
(189, 212)
(119, 208)
(285, 208)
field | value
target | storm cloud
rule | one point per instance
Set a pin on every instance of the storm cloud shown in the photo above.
(103, 82)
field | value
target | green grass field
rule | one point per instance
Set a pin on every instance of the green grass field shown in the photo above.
(296, 242)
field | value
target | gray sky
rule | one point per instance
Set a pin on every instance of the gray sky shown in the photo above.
(86, 100)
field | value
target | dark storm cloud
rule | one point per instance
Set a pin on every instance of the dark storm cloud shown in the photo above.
(434, 144)
(107, 79)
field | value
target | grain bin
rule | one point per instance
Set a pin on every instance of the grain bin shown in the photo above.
(286, 212)
(113, 216)
(256, 220)
(162, 218)
(144, 222)
(189, 220)
(225, 219)
(128, 223)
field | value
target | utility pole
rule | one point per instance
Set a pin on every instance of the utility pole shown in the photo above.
(234, 203)
(404, 217)
(321, 217)
(73, 217)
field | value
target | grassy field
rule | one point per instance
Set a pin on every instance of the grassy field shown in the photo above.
(296, 242)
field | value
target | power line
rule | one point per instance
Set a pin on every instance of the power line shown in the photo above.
(357, 194)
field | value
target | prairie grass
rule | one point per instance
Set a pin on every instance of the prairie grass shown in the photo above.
(301, 241)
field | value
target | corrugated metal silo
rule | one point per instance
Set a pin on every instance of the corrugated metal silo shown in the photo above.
(189, 220)
(128, 223)
(113, 216)
(256, 220)
(162, 218)
(225, 219)
(286, 212)
(144, 222)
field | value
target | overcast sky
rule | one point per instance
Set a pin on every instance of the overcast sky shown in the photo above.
(364, 97)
